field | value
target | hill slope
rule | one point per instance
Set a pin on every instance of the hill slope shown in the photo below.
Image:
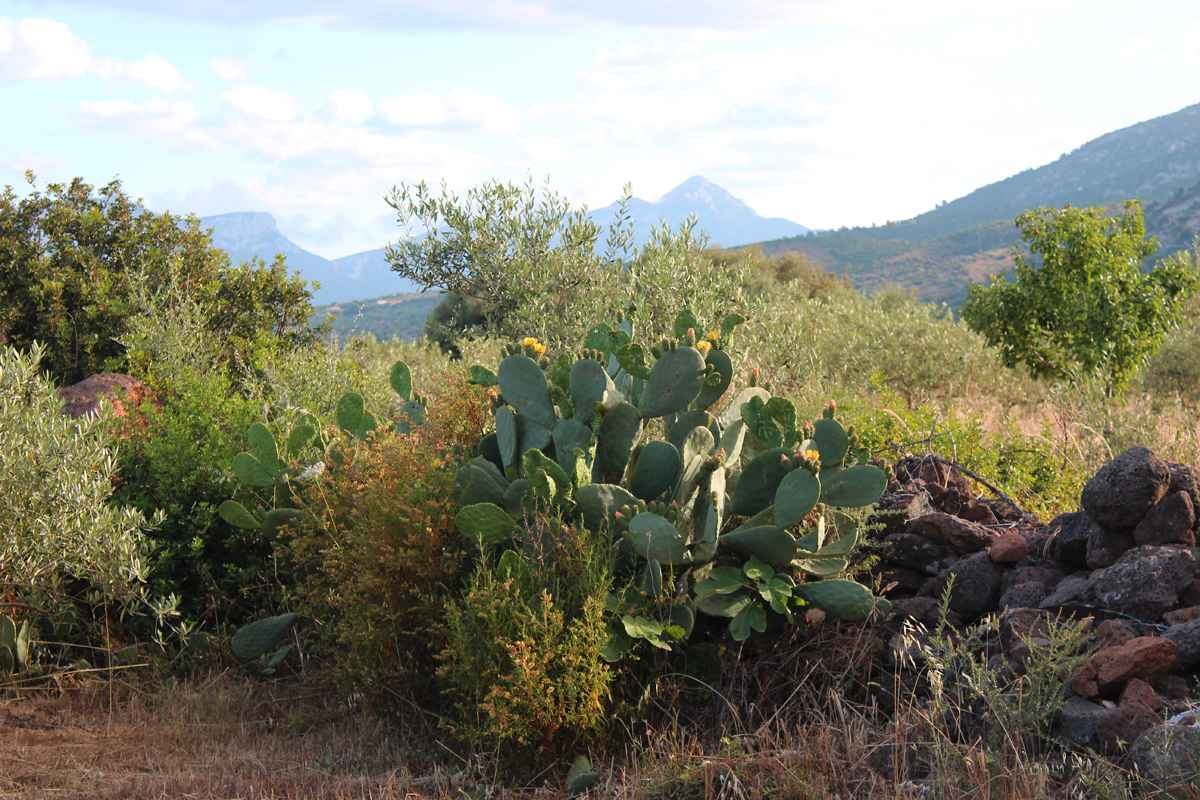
(727, 220)
(939, 253)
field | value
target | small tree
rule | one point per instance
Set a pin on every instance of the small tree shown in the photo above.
(520, 259)
(1087, 309)
(77, 261)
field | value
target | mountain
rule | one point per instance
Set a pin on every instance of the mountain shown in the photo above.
(254, 234)
(727, 220)
(939, 253)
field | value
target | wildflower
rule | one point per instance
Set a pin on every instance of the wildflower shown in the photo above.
(703, 346)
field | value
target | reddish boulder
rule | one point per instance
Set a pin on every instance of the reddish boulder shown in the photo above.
(124, 394)
(1008, 548)
(958, 534)
(1111, 667)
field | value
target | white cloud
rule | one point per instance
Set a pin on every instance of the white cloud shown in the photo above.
(352, 106)
(262, 103)
(458, 109)
(41, 49)
(164, 118)
(46, 49)
(229, 68)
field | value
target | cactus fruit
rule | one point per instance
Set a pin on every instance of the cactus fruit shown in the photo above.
(599, 502)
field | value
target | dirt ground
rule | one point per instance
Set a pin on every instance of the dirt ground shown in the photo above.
(221, 739)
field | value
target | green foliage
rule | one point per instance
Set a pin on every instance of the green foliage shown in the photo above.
(519, 260)
(262, 640)
(1087, 309)
(78, 263)
(522, 662)
(62, 540)
(376, 556)
(681, 510)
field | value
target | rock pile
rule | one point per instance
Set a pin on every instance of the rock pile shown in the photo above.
(1126, 560)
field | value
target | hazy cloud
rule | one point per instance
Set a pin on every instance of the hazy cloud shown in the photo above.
(228, 68)
(46, 49)
(480, 14)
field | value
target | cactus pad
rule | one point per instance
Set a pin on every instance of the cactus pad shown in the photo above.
(656, 471)
(860, 485)
(675, 380)
(264, 636)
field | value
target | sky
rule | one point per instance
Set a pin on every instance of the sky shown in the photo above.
(827, 112)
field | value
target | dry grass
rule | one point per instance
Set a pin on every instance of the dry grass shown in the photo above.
(230, 737)
(225, 737)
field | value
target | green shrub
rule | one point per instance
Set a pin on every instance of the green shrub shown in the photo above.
(376, 556)
(61, 539)
(78, 262)
(523, 662)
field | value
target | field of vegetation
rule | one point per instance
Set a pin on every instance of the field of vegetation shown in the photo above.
(609, 528)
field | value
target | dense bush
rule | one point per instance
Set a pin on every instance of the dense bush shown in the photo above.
(76, 262)
(61, 540)
(377, 554)
(523, 661)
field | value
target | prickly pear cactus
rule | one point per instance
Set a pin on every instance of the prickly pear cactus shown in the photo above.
(719, 503)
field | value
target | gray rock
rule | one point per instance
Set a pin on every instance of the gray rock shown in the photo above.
(1123, 490)
(914, 552)
(1071, 589)
(1105, 547)
(1071, 533)
(1080, 720)
(1145, 581)
(1183, 479)
(1186, 637)
(1167, 760)
(1169, 522)
(1023, 595)
(976, 586)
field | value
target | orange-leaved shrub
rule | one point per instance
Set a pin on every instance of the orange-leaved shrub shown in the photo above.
(379, 555)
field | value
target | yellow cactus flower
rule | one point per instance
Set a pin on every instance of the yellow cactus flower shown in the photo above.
(703, 346)
(539, 348)
(811, 455)
(529, 341)
(713, 335)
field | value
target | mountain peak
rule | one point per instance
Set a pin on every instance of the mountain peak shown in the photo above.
(699, 188)
(246, 223)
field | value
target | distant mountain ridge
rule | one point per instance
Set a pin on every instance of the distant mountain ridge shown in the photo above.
(728, 221)
(255, 234)
(366, 275)
(941, 252)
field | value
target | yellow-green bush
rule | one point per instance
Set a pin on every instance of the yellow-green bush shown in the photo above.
(522, 661)
(379, 554)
